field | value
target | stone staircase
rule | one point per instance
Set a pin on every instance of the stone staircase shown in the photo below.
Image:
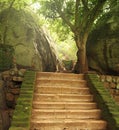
(63, 102)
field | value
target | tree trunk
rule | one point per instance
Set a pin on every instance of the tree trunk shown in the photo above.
(81, 65)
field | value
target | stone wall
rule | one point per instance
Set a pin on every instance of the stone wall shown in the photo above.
(16, 93)
(10, 86)
(110, 109)
(22, 113)
(112, 84)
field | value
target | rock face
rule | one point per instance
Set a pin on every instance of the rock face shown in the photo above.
(32, 45)
(103, 44)
(6, 56)
(4, 116)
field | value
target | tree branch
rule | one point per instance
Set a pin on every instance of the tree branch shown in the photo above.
(77, 13)
(64, 18)
(85, 4)
(94, 13)
(11, 4)
(62, 15)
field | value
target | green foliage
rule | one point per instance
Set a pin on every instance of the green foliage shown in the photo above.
(110, 18)
(14, 3)
(63, 14)
(67, 49)
(58, 26)
(6, 57)
(61, 17)
(66, 16)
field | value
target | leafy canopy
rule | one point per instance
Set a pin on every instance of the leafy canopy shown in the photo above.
(64, 16)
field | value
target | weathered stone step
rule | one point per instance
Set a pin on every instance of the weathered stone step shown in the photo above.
(64, 105)
(68, 125)
(63, 97)
(56, 82)
(64, 90)
(60, 76)
(63, 102)
(38, 114)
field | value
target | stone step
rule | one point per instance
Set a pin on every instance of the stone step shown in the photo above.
(39, 114)
(63, 102)
(50, 75)
(63, 90)
(68, 125)
(56, 82)
(64, 105)
(63, 97)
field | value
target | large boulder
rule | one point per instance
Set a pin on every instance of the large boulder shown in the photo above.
(6, 56)
(103, 44)
(32, 45)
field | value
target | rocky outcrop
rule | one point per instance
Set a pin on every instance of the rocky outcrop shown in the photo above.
(103, 44)
(31, 44)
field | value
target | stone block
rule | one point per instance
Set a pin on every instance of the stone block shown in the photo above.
(109, 78)
(116, 98)
(9, 84)
(107, 85)
(112, 85)
(9, 97)
(117, 79)
(15, 91)
(117, 86)
(114, 79)
(102, 78)
(117, 92)
(112, 91)
(18, 79)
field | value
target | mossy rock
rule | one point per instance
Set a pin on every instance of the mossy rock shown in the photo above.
(110, 110)
(6, 57)
(103, 44)
(32, 44)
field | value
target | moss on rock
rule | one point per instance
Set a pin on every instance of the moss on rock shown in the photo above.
(103, 44)
(6, 57)
(32, 44)
(110, 110)
(22, 113)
